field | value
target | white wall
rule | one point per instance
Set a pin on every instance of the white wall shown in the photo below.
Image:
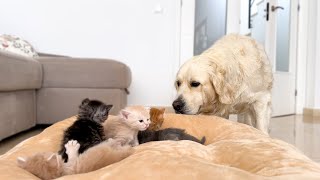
(308, 65)
(317, 63)
(311, 53)
(187, 30)
(129, 31)
(301, 56)
(233, 16)
(313, 58)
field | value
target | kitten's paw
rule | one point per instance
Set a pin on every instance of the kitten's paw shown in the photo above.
(72, 146)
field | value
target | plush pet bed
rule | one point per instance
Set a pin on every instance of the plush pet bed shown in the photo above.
(232, 151)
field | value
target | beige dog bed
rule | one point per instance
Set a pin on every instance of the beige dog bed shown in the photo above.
(233, 151)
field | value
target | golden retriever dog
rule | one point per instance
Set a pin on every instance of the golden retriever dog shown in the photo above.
(234, 76)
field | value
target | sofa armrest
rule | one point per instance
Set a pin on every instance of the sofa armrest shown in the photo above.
(69, 72)
(18, 72)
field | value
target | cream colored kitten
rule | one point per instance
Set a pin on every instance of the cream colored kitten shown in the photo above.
(51, 165)
(125, 127)
(46, 165)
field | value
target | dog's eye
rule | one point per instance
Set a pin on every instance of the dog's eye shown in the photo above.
(194, 84)
(178, 83)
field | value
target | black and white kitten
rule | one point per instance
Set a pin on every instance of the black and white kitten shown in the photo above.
(174, 134)
(87, 129)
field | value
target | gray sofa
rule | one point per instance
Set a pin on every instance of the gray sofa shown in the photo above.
(49, 88)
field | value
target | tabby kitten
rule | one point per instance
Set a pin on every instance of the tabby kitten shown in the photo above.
(51, 165)
(87, 129)
(174, 134)
(125, 127)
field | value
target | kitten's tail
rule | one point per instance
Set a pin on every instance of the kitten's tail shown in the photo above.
(203, 140)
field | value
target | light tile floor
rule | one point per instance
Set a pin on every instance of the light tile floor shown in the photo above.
(301, 131)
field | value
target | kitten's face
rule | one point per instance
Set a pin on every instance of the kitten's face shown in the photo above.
(94, 109)
(138, 118)
(43, 165)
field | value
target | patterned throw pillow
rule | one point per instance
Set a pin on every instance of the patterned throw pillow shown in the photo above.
(16, 45)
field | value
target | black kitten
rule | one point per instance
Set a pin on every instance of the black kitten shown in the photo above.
(87, 129)
(174, 134)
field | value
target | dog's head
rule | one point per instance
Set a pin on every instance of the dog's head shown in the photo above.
(201, 83)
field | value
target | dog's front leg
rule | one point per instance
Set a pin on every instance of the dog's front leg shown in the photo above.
(262, 112)
(247, 118)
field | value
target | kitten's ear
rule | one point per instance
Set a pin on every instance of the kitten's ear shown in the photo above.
(125, 113)
(148, 108)
(104, 110)
(53, 160)
(85, 101)
(102, 113)
(161, 113)
(109, 107)
(162, 110)
(21, 161)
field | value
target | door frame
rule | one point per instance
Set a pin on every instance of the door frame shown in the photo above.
(301, 65)
(291, 75)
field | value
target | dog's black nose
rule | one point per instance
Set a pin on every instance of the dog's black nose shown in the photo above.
(178, 105)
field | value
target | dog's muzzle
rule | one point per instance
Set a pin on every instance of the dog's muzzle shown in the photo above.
(179, 105)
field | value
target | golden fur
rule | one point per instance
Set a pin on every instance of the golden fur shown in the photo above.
(50, 165)
(235, 77)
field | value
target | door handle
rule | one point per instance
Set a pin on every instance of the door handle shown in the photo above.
(273, 8)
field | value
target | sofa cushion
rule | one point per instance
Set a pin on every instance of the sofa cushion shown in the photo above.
(18, 72)
(64, 102)
(70, 72)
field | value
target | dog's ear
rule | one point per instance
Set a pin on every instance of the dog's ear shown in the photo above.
(226, 82)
